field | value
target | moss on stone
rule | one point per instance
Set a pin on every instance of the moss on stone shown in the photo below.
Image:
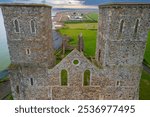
(13, 66)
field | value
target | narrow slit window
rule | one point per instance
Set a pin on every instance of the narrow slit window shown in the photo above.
(33, 27)
(28, 51)
(64, 77)
(31, 79)
(118, 83)
(17, 89)
(121, 26)
(16, 26)
(99, 55)
(136, 26)
(87, 75)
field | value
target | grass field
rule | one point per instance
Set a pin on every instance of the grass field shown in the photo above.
(89, 35)
(85, 26)
(145, 86)
(93, 16)
(147, 51)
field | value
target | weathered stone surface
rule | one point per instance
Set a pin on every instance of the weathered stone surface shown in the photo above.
(76, 93)
(39, 43)
(32, 51)
(121, 42)
(75, 72)
(37, 93)
(121, 93)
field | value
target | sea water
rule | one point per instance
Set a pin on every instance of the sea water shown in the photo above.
(4, 53)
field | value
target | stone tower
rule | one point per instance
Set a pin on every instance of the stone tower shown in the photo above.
(122, 34)
(29, 36)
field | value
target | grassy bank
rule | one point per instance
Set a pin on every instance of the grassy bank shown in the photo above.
(145, 86)
(147, 51)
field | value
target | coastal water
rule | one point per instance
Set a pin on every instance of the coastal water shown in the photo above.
(4, 53)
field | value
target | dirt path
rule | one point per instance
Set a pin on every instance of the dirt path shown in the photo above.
(4, 89)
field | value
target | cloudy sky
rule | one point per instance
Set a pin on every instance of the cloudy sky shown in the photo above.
(62, 3)
(74, 3)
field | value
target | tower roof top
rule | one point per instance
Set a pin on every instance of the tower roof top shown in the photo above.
(25, 4)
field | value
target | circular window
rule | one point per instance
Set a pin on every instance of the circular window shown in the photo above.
(76, 62)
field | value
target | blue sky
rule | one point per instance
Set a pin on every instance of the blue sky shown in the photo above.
(75, 3)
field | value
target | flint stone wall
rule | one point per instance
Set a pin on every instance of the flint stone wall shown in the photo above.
(39, 43)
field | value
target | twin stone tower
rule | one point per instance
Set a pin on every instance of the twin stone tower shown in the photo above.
(120, 46)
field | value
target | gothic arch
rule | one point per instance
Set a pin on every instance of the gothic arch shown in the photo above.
(16, 26)
(33, 26)
(64, 77)
(87, 78)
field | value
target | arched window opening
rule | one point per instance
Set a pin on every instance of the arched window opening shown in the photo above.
(16, 26)
(87, 75)
(64, 77)
(121, 26)
(33, 26)
(31, 79)
(17, 89)
(136, 26)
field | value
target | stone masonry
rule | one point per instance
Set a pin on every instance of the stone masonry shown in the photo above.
(121, 41)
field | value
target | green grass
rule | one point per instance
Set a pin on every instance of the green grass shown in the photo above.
(75, 62)
(147, 51)
(89, 37)
(4, 79)
(9, 97)
(59, 55)
(64, 77)
(145, 86)
(81, 26)
(87, 78)
(93, 16)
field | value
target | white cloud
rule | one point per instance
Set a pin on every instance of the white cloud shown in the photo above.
(65, 2)
(60, 3)
(55, 2)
